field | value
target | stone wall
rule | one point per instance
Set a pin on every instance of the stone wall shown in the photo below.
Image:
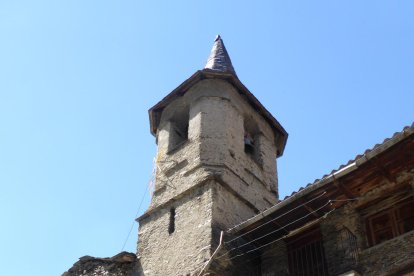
(371, 260)
(215, 143)
(337, 251)
(122, 264)
(388, 256)
(345, 239)
(275, 260)
(186, 249)
(208, 178)
(227, 208)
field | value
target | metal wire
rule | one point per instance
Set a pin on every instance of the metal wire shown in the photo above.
(274, 218)
(264, 245)
(277, 230)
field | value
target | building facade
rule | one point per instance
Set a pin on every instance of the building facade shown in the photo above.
(216, 210)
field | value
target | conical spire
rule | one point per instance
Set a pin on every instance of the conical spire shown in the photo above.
(219, 59)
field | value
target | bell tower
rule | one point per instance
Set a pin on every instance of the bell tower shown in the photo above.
(216, 167)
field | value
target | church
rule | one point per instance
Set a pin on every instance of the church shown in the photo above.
(216, 210)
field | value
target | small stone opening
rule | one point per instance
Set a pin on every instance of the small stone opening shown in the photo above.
(251, 143)
(179, 129)
(171, 226)
(248, 144)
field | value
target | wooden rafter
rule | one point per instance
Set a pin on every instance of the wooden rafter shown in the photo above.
(344, 189)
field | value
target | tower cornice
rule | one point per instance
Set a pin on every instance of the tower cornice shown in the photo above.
(155, 112)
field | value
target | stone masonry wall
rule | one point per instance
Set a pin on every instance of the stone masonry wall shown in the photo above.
(336, 254)
(227, 212)
(122, 264)
(387, 256)
(209, 179)
(371, 260)
(275, 260)
(215, 142)
(227, 208)
(188, 247)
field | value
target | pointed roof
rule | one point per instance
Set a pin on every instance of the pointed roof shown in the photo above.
(219, 60)
(219, 67)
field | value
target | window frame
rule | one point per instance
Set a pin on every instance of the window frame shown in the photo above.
(306, 253)
(392, 224)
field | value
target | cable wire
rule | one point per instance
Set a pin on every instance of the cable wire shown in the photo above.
(139, 208)
(133, 223)
(281, 238)
(277, 230)
(274, 218)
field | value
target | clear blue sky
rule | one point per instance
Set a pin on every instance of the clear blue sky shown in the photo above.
(77, 79)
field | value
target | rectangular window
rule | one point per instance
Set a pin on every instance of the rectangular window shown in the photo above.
(178, 135)
(390, 223)
(171, 225)
(306, 254)
(178, 129)
(253, 140)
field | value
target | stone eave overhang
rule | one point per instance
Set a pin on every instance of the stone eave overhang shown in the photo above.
(328, 188)
(156, 111)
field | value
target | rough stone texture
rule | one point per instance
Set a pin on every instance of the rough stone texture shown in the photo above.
(388, 256)
(188, 247)
(338, 259)
(207, 182)
(215, 148)
(392, 257)
(122, 264)
(213, 184)
(208, 178)
(275, 261)
(227, 210)
(370, 260)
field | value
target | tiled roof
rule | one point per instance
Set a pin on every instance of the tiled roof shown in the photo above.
(327, 179)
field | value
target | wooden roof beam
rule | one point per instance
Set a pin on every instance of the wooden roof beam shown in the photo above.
(384, 172)
(344, 189)
(280, 227)
(311, 210)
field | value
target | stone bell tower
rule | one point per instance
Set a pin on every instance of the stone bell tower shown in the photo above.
(216, 167)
